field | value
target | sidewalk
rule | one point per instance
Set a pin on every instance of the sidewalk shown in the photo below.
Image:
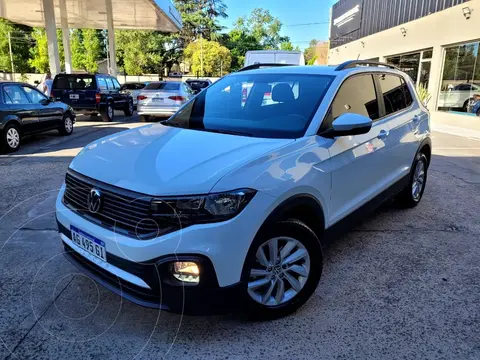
(460, 125)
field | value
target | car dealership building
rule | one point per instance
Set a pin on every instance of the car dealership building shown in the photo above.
(436, 42)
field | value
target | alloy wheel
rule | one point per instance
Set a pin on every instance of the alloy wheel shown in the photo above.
(110, 111)
(68, 125)
(280, 272)
(13, 138)
(418, 180)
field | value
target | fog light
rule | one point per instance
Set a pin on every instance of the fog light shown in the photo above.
(186, 271)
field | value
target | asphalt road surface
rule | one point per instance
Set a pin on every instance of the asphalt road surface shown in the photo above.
(403, 284)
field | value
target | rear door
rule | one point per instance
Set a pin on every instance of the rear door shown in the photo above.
(120, 97)
(18, 104)
(50, 113)
(406, 120)
(357, 162)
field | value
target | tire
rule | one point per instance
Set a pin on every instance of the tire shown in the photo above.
(66, 128)
(144, 118)
(109, 113)
(411, 196)
(478, 112)
(465, 105)
(263, 283)
(11, 139)
(129, 108)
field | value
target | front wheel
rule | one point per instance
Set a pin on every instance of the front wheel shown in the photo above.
(283, 269)
(129, 108)
(108, 113)
(67, 126)
(413, 192)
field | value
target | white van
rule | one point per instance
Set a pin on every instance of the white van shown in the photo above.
(274, 57)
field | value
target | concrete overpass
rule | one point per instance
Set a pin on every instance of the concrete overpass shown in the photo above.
(158, 15)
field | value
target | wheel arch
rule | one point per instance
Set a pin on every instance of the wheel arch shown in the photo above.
(426, 149)
(11, 119)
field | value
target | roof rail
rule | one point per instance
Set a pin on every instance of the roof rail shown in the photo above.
(354, 63)
(260, 66)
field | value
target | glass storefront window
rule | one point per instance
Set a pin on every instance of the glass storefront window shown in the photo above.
(460, 86)
(412, 63)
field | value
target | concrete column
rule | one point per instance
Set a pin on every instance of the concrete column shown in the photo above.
(436, 73)
(66, 36)
(111, 38)
(51, 29)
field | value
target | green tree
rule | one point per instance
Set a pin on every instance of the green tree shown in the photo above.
(239, 42)
(309, 52)
(200, 17)
(39, 52)
(287, 46)
(264, 27)
(77, 49)
(93, 49)
(21, 43)
(208, 58)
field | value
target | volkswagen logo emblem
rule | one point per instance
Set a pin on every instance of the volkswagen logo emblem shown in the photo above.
(94, 200)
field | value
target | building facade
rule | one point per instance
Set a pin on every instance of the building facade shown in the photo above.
(436, 42)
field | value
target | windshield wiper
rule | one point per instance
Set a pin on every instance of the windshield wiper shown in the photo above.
(169, 123)
(230, 132)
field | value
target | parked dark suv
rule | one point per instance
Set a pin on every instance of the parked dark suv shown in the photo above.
(24, 110)
(91, 94)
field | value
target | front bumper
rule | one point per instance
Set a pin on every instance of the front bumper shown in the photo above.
(138, 269)
(164, 291)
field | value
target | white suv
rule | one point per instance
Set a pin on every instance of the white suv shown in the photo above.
(226, 204)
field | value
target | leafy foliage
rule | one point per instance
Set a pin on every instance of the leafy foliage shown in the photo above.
(208, 58)
(309, 52)
(21, 43)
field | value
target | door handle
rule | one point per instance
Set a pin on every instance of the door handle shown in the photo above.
(382, 135)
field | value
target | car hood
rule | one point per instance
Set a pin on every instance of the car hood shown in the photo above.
(162, 160)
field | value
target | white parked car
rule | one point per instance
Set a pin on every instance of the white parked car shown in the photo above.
(134, 89)
(459, 96)
(224, 206)
(162, 98)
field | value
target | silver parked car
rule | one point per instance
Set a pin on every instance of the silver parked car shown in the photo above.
(162, 98)
(134, 88)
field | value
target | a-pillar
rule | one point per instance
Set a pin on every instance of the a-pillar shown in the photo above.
(51, 30)
(66, 36)
(111, 38)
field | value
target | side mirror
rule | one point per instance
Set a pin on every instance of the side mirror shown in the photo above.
(349, 124)
(45, 101)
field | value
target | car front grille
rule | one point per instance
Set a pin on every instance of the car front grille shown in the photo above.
(121, 211)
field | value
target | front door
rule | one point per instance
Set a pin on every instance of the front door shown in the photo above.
(50, 114)
(357, 162)
(20, 106)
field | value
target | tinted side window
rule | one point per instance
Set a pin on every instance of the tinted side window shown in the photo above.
(35, 96)
(393, 90)
(357, 95)
(408, 94)
(109, 83)
(116, 83)
(13, 94)
(102, 85)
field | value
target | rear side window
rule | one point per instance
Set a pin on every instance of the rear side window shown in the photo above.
(396, 94)
(101, 83)
(13, 94)
(74, 82)
(357, 95)
(163, 86)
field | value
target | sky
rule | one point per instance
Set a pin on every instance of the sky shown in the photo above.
(290, 13)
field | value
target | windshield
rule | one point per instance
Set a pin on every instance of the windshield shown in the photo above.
(259, 105)
(196, 85)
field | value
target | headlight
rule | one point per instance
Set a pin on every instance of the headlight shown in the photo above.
(187, 210)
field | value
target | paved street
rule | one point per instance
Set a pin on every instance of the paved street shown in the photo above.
(404, 284)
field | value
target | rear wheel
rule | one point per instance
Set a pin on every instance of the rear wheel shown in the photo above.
(413, 192)
(108, 113)
(67, 127)
(283, 269)
(10, 138)
(129, 108)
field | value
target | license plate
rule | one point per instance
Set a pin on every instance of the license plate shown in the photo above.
(89, 243)
(157, 100)
(74, 96)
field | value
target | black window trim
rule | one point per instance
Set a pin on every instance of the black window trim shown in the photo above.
(398, 112)
(327, 119)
